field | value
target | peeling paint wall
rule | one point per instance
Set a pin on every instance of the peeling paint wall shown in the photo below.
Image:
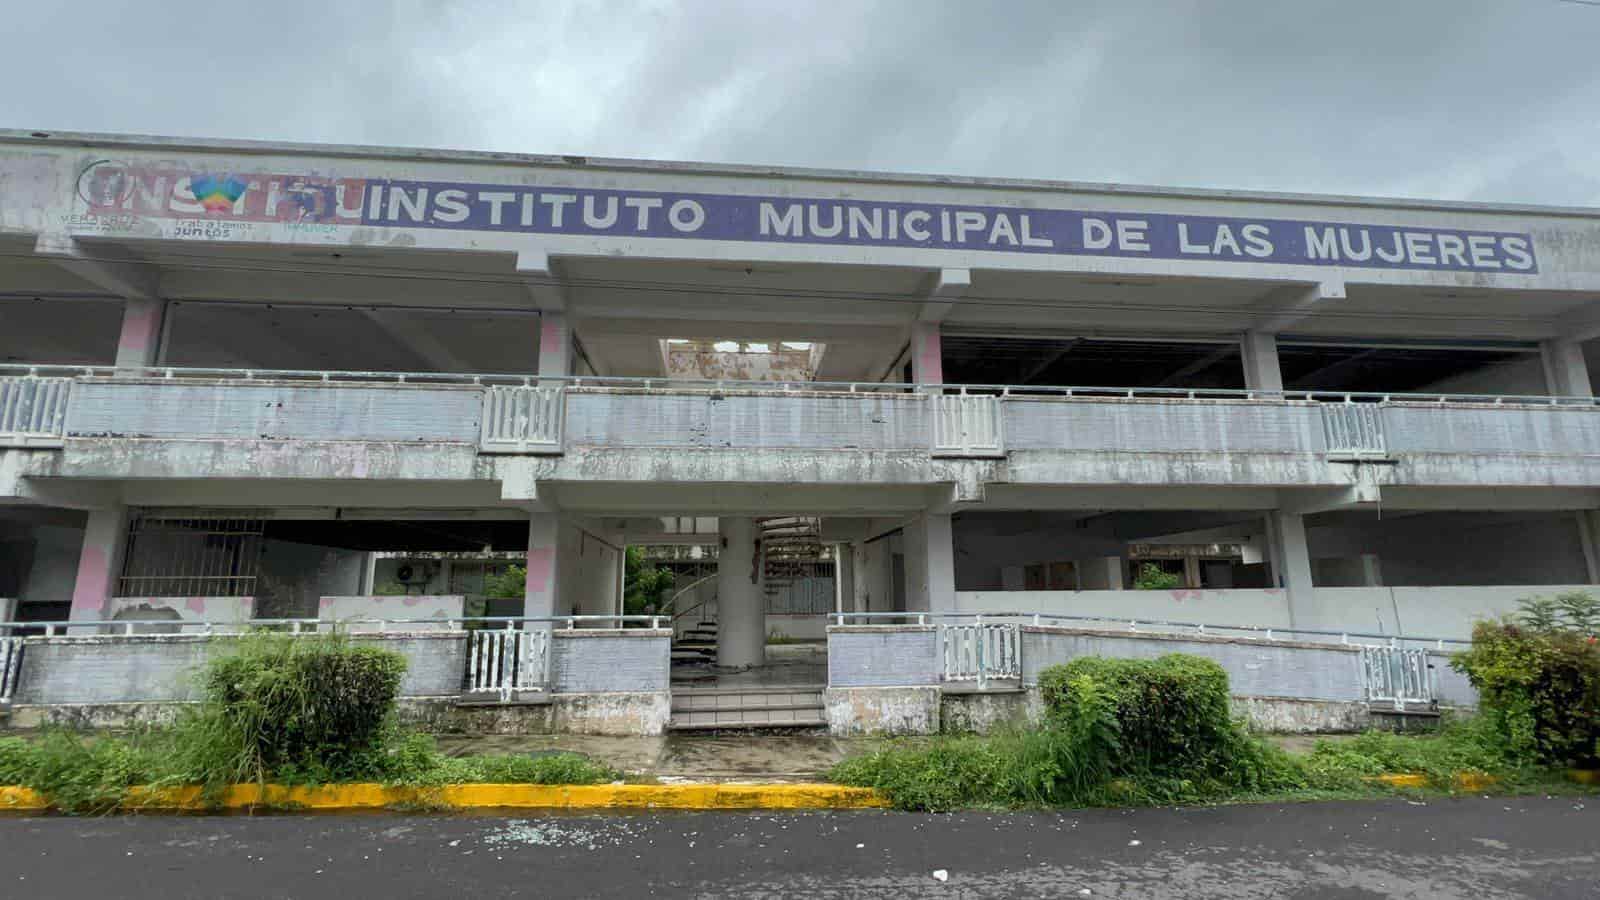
(881, 710)
(401, 606)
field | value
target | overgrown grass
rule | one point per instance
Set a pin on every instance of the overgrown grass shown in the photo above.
(1040, 768)
(92, 773)
(1047, 767)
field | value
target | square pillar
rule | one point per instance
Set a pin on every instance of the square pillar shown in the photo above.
(861, 577)
(844, 573)
(741, 605)
(139, 344)
(930, 564)
(927, 354)
(555, 344)
(1291, 561)
(541, 595)
(105, 538)
(1260, 356)
(1566, 373)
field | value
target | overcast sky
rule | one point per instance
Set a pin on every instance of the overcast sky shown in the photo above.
(1456, 99)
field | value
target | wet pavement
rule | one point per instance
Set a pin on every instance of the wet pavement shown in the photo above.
(692, 756)
(1469, 849)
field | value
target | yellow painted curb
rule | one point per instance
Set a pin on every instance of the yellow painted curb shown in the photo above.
(1467, 781)
(493, 796)
(22, 798)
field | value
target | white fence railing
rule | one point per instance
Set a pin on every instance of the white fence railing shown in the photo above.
(519, 419)
(10, 667)
(1353, 429)
(502, 662)
(981, 652)
(33, 410)
(967, 425)
(1397, 675)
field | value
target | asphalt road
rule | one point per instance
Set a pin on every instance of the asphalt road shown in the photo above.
(1472, 848)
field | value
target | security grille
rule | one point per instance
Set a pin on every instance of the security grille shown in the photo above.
(191, 558)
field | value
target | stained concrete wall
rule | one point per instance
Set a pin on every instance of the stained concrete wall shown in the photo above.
(1433, 612)
(744, 419)
(882, 656)
(1162, 426)
(1267, 608)
(1255, 668)
(588, 573)
(392, 606)
(165, 668)
(293, 578)
(596, 662)
(144, 408)
(1514, 430)
(1443, 612)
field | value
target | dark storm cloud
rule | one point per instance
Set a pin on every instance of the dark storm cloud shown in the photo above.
(1464, 99)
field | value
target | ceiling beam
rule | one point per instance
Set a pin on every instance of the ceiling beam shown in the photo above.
(1282, 307)
(542, 280)
(108, 268)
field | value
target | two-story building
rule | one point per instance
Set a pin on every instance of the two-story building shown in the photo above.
(234, 371)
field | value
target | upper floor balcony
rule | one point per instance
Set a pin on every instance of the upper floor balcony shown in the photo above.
(106, 423)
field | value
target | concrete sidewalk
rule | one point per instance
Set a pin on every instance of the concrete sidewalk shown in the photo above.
(682, 757)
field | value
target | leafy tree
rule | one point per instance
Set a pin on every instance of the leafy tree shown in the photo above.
(645, 587)
(1152, 577)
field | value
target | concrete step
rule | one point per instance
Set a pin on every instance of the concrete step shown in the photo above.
(780, 706)
(693, 700)
(747, 718)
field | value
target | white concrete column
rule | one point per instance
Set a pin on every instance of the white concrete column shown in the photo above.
(541, 595)
(555, 344)
(741, 607)
(1260, 355)
(1371, 570)
(1114, 570)
(930, 564)
(139, 344)
(105, 538)
(861, 578)
(1291, 560)
(927, 354)
(844, 573)
(1565, 370)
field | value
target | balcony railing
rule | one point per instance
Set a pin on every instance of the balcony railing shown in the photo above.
(513, 413)
(33, 409)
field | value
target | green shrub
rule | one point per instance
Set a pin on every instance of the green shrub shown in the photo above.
(1151, 577)
(1115, 731)
(317, 702)
(1538, 688)
(1170, 715)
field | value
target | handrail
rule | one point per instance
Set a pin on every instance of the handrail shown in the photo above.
(842, 619)
(666, 607)
(296, 625)
(667, 383)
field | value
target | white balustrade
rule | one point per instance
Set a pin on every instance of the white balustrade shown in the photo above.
(33, 410)
(523, 419)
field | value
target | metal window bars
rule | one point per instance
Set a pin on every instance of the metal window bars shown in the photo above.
(191, 557)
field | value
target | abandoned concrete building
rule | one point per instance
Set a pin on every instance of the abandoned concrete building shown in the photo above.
(903, 440)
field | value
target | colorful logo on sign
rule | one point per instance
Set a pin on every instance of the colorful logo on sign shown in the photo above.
(217, 193)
